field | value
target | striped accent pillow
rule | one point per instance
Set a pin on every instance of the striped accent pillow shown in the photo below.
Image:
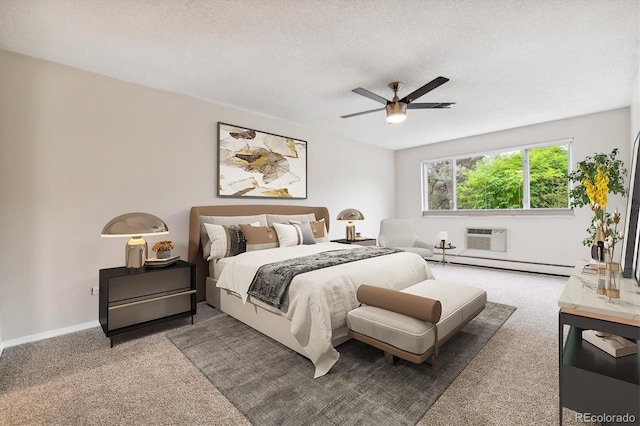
(288, 235)
(256, 220)
(226, 240)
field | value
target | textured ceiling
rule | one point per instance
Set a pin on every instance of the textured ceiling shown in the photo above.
(510, 62)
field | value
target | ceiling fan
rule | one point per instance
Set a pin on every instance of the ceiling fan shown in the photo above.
(397, 108)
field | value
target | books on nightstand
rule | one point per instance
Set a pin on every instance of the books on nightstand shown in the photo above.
(613, 345)
(590, 269)
(159, 263)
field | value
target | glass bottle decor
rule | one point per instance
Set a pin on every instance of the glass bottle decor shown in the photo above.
(612, 278)
(602, 271)
(596, 252)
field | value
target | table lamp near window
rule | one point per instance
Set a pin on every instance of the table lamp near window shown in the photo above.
(443, 236)
(350, 215)
(135, 226)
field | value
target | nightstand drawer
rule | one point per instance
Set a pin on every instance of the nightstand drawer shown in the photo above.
(131, 313)
(147, 284)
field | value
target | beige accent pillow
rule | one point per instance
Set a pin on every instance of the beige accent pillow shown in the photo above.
(259, 237)
(419, 307)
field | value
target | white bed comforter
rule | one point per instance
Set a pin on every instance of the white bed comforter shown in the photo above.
(318, 301)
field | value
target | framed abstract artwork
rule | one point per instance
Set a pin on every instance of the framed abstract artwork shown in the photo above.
(256, 164)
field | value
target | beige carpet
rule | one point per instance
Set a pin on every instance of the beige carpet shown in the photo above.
(514, 379)
(144, 379)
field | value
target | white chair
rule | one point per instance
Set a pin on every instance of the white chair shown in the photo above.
(400, 233)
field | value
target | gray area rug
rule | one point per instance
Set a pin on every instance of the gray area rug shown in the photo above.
(273, 385)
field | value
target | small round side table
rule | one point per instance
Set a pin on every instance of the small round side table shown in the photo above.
(444, 252)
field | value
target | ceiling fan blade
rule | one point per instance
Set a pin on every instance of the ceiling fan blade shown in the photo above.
(370, 95)
(431, 105)
(361, 113)
(424, 89)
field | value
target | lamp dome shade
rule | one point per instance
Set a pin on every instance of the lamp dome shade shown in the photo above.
(350, 214)
(135, 224)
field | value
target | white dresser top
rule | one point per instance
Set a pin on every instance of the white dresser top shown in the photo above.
(580, 294)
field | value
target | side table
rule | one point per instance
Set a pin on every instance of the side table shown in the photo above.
(444, 249)
(130, 300)
(590, 380)
(360, 242)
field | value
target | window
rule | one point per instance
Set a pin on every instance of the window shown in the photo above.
(533, 178)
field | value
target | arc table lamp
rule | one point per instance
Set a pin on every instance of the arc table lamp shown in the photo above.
(135, 225)
(350, 215)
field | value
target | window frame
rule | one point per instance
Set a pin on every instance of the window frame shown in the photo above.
(526, 196)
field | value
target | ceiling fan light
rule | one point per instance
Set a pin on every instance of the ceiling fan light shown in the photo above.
(396, 112)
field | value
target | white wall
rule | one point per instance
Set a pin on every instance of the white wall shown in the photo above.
(552, 240)
(77, 149)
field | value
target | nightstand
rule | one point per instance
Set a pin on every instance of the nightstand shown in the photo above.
(360, 242)
(130, 300)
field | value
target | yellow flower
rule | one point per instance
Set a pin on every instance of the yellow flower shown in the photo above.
(597, 191)
(589, 189)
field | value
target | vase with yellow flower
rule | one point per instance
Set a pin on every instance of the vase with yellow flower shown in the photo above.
(596, 177)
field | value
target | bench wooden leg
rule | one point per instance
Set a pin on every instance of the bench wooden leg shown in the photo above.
(388, 357)
(431, 360)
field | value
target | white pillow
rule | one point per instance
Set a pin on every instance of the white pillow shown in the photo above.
(284, 218)
(237, 220)
(288, 235)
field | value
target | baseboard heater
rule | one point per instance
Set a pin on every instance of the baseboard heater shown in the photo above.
(517, 265)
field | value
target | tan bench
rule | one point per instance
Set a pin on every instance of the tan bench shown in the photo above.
(413, 323)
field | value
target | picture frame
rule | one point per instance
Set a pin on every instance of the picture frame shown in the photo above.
(257, 164)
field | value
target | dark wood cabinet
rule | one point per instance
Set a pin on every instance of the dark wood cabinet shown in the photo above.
(591, 382)
(130, 299)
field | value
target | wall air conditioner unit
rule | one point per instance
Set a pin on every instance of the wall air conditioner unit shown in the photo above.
(491, 239)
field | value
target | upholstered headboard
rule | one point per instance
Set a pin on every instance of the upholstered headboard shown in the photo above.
(195, 248)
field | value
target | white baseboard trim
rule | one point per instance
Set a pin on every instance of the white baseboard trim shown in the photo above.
(1, 348)
(541, 268)
(48, 334)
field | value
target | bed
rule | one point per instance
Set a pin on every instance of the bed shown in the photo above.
(312, 320)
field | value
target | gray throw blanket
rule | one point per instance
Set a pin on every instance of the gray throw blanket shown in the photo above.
(272, 280)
